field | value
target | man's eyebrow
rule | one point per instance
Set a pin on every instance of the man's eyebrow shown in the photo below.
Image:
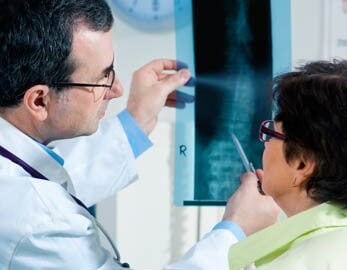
(105, 71)
(108, 69)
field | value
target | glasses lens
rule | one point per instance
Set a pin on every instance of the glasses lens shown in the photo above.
(110, 78)
(99, 92)
(264, 135)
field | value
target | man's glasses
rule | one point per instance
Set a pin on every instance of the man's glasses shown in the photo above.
(267, 131)
(109, 80)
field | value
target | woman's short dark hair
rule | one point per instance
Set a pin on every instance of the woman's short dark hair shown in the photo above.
(311, 104)
(36, 41)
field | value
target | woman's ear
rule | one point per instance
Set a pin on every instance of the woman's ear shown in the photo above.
(303, 168)
(36, 100)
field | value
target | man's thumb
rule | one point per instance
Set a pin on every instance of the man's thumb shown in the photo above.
(176, 80)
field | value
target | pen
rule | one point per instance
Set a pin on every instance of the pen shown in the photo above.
(242, 154)
(246, 164)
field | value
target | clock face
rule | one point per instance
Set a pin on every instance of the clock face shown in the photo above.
(147, 14)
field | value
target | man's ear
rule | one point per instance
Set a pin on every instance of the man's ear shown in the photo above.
(303, 168)
(36, 100)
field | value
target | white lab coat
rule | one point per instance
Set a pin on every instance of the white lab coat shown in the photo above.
(42, 227)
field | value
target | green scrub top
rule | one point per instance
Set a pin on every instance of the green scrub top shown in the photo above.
(265, 246)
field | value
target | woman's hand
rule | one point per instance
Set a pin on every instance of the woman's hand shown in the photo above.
(248, 208)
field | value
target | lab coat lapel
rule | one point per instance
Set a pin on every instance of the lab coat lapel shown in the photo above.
(276, 239)
(31, 152)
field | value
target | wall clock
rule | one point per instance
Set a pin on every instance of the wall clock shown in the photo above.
(148, 14)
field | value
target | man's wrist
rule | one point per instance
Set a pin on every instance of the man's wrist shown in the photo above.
(137, 138)
(232, 227)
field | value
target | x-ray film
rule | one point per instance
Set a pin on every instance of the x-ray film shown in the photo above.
(233, 48)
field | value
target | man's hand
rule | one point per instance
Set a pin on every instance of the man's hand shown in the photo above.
(248, 208)
(152, 88)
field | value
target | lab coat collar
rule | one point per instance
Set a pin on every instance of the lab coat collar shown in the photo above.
(278, 237)
(31, 152)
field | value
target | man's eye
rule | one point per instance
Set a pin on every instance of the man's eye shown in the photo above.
(107, 74)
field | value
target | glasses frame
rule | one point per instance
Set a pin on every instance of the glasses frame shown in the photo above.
(270, 132)
(68, 84)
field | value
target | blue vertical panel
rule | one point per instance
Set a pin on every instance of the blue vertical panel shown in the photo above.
(185, 129)
(281, 36)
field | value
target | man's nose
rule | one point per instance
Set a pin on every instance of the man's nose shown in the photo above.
(116, 90)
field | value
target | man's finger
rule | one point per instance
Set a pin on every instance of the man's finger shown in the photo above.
(159, 65)
(174, 81)
(162, 76)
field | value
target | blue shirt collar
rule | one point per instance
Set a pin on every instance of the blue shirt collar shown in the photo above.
(54, 155)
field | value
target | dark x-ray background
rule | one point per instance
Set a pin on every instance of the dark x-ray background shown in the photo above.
(233, 61)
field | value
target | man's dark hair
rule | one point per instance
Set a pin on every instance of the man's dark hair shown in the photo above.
(312, 107)
(36, 41)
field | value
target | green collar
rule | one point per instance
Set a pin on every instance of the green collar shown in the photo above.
(276, 239)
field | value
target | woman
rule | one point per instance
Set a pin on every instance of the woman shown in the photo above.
(305, 172)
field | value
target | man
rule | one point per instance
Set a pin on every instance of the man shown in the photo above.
(56, 78)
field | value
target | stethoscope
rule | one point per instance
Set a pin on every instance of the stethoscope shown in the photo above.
(34, 173)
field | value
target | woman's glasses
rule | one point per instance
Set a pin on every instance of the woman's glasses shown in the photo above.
(267, 131)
